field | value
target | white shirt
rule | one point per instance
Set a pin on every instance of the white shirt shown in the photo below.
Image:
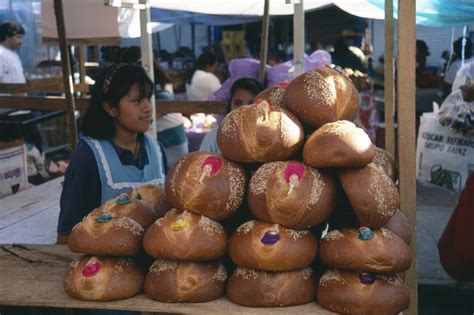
(11, 70)
(203, 84)
(453, 68)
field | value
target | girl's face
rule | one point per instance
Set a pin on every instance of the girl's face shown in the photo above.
(134, 114)
(241, 97)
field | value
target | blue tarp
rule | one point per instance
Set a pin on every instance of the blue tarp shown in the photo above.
(184, 17)
(438, 12)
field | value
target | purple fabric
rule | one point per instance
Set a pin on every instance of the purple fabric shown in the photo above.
(238, 68)
(317, 59)
(279, 73)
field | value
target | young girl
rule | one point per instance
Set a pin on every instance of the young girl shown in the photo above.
(115, 154)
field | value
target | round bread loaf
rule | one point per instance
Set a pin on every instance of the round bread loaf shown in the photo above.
(250, 287)
(399, 225)
(365, 249)
(206, 184)
(185, 236)
(128, 206)
(260, 133)
(154, 196)
(101, 233)
(96, 278)
(322, 95)
(338, 144)
(274, 96)
(352, 292)
(386, 161)
(291, 194)
(271, 247)
(174, 281)
(371, 193)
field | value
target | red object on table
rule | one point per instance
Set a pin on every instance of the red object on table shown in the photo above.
(456, 245)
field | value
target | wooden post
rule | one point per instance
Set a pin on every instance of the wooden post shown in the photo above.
(298, 37)
(67, 77)
(147, 57)
(389, 80)
(264, 43)
(406, 129)
(82, 66)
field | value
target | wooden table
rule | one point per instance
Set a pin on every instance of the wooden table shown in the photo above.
(31, 216)
(32, 275)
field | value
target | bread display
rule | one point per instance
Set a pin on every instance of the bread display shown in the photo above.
(364, 249)
(358, 293)
(275, 96)
(206, 184)
(322, 95)
(338, 144)
(154, 196)
(184, 235)
(386, 161)
(399, 225)
(102, 233)
(250, 287)
(371, 193)
(127, 206)
(174, 281)
(260, 133)
(292, 194)
(271, 247)
(95, 278)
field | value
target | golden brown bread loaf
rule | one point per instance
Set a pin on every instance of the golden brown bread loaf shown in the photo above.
(101, 233)
(399, 225)
(100, 278)
(371, 193)
(154, 196)
(126, 205)
(386, 161)
(364, 249)
(174, 281)
(250, 287)
(206, 184)
(322, 95)
(274, 96)
(271, 247)
(184, 235)
(292, 194)
(352, 292)
(338, 144)
(259, 133)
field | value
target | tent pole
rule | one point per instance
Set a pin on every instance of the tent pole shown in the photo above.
(298, 37)
(406, 140)
(147, 57)
(67, 77)
(389, 80)
(264, 43)
(82, 66)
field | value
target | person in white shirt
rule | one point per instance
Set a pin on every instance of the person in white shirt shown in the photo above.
(455, 65)
(204, 82)
(11, 38)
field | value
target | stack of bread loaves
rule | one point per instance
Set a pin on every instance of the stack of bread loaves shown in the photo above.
(110, 236)
(289, 194)
(188, 241)
(287, 197)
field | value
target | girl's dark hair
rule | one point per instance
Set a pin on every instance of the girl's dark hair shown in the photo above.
(248, 84)
(113, 84)
(10, 29)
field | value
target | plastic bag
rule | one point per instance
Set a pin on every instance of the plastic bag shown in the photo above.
(457, 113)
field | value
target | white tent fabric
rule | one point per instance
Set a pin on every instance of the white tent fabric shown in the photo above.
(236, 7)
(360, 8)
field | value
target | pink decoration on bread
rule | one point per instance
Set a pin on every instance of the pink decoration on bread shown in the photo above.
(91, 268)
